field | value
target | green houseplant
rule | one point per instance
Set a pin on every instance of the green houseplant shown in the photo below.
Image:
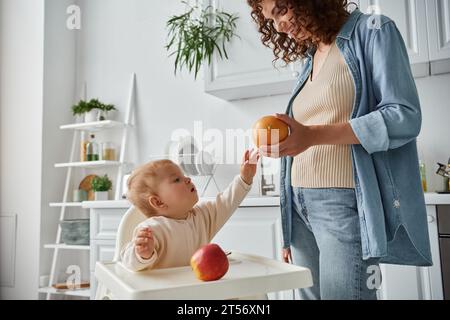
(101, 186)
(195, 35)
(80, 108)
(94, 110)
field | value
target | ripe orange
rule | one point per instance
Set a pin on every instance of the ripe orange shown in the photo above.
(269, 131)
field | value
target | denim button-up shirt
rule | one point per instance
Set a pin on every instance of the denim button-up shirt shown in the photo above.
(386, 119)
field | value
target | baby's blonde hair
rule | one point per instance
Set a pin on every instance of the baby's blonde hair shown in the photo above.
(143, 183)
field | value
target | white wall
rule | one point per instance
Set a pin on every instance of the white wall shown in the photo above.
(21, 111)
(434, 138)
(120, 37)
(59, 96)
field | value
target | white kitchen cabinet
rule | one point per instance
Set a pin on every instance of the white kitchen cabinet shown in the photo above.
(432, 277)
(424, 25)
(438, 13)
(415, 283)
(410, 16)
(400, 283)
(249, 71)
(255, 230)
(101, 250)
(104, 223)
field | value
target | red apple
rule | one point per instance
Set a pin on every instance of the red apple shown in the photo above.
(209, 262)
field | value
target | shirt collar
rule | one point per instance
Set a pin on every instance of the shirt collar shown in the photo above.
(349, 26)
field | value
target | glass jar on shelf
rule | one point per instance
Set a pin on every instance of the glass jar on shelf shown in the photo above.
(108, 151)
(83, 145)
(92, 152)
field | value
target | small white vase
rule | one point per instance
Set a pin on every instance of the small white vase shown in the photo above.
(106, 115)
(101, 195)
(79, 118)
(91, 116)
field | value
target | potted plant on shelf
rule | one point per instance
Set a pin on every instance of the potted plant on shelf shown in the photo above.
(197, 34)
(79, 110)
(101, 186)
(93, 110)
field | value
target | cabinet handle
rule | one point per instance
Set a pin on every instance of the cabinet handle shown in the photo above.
(430, 219)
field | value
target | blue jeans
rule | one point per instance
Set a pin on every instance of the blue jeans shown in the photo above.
(326, 239)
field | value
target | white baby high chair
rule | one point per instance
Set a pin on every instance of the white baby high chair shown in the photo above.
(124, 235)
(250, 277)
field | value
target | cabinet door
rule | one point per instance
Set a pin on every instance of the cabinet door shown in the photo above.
(410, 18)
(254, 231)
(101, 250)
(432, 276)
(249, 71)
(400, 283)
(105, 223)
(438, 12)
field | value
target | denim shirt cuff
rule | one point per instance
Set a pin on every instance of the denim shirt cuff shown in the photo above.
(371, 132)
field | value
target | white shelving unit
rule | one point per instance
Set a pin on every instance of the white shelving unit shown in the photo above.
(89, 164)
(76, 293)
(62, 246)
(67, 204)
(77, 128)
(93, 126)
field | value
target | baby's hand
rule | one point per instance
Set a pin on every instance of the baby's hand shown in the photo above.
(144, 243)
(248, 166)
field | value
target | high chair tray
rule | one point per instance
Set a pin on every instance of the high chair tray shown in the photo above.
(247, 275)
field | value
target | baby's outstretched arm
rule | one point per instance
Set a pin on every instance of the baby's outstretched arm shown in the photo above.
(219, 211)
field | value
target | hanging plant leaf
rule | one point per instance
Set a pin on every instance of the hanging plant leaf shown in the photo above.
(195, 40)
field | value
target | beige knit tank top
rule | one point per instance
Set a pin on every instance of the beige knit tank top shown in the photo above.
(328, 99)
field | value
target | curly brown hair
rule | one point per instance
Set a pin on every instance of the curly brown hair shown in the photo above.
(322, 19)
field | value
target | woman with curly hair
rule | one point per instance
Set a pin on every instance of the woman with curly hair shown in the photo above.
(351, 195)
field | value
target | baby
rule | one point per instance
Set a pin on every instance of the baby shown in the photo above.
(177, 225)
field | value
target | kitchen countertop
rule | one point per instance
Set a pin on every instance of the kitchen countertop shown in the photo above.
(430, 199)
(433, 198)
(248, 202)
(115, 204)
